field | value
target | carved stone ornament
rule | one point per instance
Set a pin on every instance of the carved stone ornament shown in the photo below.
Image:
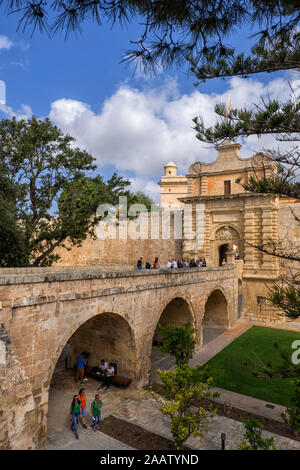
(227, 233)
(195, 168)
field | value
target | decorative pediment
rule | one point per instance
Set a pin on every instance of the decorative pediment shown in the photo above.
(227, 233)
(195, 168)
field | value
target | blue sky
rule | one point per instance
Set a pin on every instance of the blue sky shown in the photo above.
(132, 124)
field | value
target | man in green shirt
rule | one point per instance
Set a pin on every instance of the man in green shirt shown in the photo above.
(96, 411)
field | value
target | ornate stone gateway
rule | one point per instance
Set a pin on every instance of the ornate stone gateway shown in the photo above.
(227, 239)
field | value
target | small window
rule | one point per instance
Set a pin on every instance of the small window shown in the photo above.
(227, 187)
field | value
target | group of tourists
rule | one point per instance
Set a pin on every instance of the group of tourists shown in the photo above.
(185, 263)
(154, 265)
(173, 264)
(78, 408)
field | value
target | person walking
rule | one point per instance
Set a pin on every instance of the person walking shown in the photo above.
(75, 412)
(82, 399)
(96, 412)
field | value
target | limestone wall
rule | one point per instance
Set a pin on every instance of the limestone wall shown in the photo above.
(109, 252)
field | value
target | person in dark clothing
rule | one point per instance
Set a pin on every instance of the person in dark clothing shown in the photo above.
(140, 263)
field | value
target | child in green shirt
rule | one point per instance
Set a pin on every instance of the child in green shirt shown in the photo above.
(96, 411)
(75, 412)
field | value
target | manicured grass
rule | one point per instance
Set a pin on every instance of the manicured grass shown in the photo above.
(254, 346)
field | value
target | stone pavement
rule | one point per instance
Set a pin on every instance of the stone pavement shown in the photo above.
(88, 440)
(212, 348)
(135, 406)
(150, 417)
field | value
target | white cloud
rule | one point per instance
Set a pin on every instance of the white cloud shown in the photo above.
(139, 131)
(25, 112)
(5, 42)
(148, 187)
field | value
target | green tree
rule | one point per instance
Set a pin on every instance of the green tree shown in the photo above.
(46, 198)
(292, 414)
(174, 31)
(142, 198)
(179, 342)
(184, 388)
(12, 249)
(253, 437)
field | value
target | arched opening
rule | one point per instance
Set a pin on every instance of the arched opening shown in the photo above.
(222, 253)
(177, 312)
(105, 336)
(215, 319)
(226, 239)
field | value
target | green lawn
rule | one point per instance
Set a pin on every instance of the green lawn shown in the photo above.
(255, 345)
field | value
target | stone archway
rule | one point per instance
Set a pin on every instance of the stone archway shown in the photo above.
(215, 318)
(176, 312)
(226, 238)
(104, 336)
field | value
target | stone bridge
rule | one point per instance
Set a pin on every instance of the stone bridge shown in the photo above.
(111, 314)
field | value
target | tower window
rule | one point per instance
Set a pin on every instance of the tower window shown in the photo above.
(227, 187)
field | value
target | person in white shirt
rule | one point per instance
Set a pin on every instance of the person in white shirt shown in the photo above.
(103, 367)
(110, 372)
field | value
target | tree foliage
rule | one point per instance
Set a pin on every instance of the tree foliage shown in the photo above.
(47, 197)
(285, 294)
(292, 414)
(184, 387)
(253, 437)
(179, 342)
(174, 31)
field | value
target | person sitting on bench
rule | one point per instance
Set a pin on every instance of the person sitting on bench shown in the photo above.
(110, 372)
(103, 366)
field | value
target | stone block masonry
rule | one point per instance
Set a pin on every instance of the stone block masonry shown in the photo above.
(108, 313)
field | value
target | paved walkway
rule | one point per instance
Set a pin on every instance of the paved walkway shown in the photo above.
(220, 342)
(88, 440)
(150, 417)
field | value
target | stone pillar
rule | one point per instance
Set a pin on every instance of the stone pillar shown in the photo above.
(249, 236)
(230, 256)
(203, 185)
(188, 244)
(269, 232)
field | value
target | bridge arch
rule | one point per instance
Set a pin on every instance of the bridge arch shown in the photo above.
(105, 335)
(178, 311)
(216, 309)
